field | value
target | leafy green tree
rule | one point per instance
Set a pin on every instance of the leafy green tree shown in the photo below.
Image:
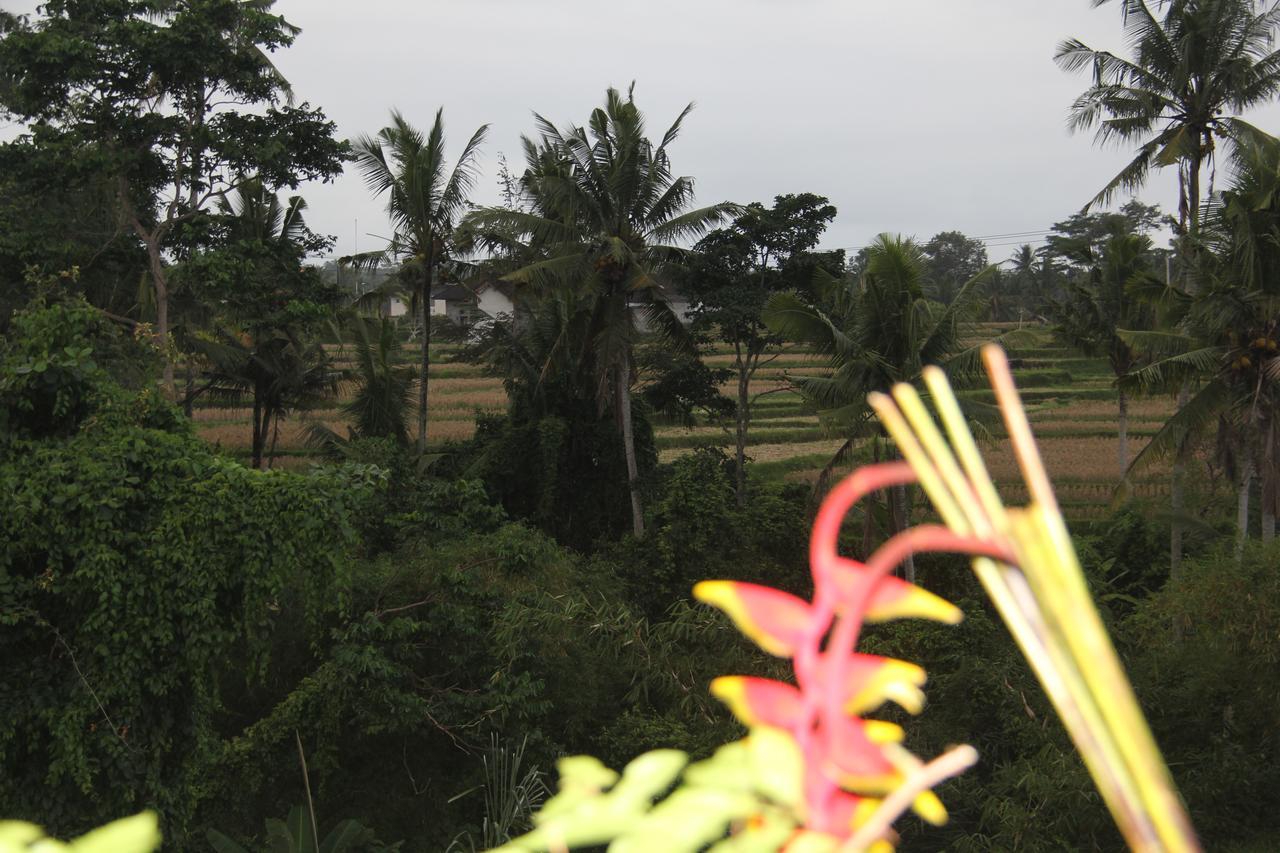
(732, 273)
(555, 459)
(58, 217)
(1102, 304)
(678, 385)
(270, 305)
(951, 259)
(124, 609)
(174, 103)
(876, 331)
(1194, 62)
(1079, 239)
(425, 200)
(605, 209)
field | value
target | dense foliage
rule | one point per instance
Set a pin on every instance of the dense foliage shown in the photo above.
(363, 644)
(139, 573)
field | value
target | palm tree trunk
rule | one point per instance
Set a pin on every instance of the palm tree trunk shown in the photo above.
(623, 392)
(1269, 484)
(1123, 419)
(1176, 484)
(160, 284)
(1242, 509)
(424, 321)
(275, 438)
(900, 523)
(868, 507)
(1193, 194)
(743, 421)
(257, 429)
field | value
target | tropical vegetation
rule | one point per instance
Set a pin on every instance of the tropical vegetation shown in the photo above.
(245, 598)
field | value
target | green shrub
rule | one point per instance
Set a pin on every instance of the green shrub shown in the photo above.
(141, 577)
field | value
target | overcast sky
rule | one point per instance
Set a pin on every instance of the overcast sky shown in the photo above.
(912, 116)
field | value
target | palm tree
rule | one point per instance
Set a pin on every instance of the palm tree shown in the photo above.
(1191, 68)
(556, 458)
(603, 210)
(382, 394)
(1097, 308)
(1202, 60)
(1226, 338)
(279, 370)
(876, 331)
(425, 201)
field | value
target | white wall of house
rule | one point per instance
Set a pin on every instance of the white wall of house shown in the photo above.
(493, 302)
(396, 308)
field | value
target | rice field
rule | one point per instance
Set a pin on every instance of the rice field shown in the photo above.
(1070, 401)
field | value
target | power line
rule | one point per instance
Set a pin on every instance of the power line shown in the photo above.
(1012, 238)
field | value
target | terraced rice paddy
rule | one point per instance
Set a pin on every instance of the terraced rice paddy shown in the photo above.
(1069, 398)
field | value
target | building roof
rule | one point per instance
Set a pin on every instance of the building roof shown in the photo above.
(453, 293)
(480, 285)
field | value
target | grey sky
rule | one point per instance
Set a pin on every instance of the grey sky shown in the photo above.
(912, 116)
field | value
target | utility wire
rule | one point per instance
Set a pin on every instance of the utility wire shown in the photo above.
(1012, 238)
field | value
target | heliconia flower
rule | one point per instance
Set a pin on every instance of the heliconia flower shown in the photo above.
(872, 680)
(893, 598)
(776, 620)
(759, 701)
(848, 811)
(853, 757)
(765, 702)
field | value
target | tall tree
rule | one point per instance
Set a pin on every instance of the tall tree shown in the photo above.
(1194, 63)
(268, 306)
(1030, 279)
(175, 101)
(58, 217)
(875, 331)
(951, 259)
(731, 275)
(1102, 303)
(556, 458)
(1225, 341)
(604, 211)
(425, 200)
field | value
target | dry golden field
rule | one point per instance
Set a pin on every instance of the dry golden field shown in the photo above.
(1070, 403)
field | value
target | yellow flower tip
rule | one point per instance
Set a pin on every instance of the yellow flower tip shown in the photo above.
(879, 732)
(880, 846)
(731, 690)
(930, 808)
(909, 697)
(917, 603)
(726, 686)
(892, 680)
(710, 592)
(902, 670)
(864, 810)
